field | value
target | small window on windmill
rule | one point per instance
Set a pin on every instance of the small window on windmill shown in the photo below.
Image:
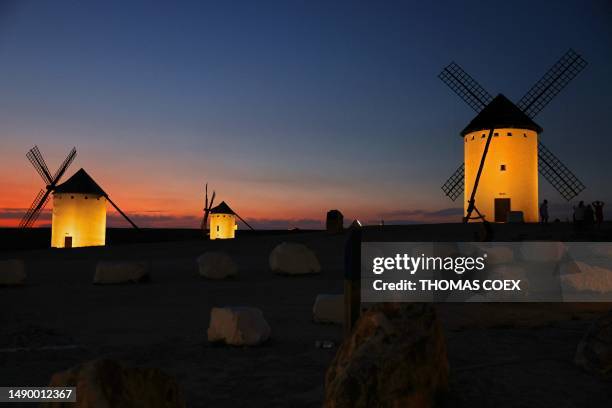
(483, 136)
(495, 134)
(524, 134)
(472, 137)
(509, 133)
(502, 167)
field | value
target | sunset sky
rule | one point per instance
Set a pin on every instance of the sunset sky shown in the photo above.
(287, 109)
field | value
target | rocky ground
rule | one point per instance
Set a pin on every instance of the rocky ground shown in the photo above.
(500, 355)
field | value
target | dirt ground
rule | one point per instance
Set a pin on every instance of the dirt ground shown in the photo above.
(500, 355)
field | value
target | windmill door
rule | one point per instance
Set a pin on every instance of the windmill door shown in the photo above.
(502, 208)
(67, 242)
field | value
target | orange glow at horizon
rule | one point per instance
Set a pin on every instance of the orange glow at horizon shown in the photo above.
(157, 190)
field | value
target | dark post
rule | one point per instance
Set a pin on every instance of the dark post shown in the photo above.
(352, 280)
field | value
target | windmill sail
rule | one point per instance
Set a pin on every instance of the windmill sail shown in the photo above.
(62, 169)
(41, 199)
(454, 186)
(465, 86)
(35, 157)
(552, 83)
(207, 207)
(35, 209)
(557, 174)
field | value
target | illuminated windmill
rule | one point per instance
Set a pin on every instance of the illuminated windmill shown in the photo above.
(79, 205)
(503, 153)
(222, 219)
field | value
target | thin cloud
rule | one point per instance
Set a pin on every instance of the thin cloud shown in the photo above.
(422, 215)
(18, 213)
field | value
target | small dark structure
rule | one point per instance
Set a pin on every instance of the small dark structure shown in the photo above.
(334, 222)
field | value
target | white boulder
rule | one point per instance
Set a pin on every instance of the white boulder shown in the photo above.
(108, 272)
(216, 265)
(238, 326)
(328, 309)
(579, 276)
(508, 272)
(602, 249)
(542, 251)
(12, 272)
(293, 259)
(516, 217)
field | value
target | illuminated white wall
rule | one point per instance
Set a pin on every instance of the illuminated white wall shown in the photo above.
(510, 171)
(80, 216)
(222, 226)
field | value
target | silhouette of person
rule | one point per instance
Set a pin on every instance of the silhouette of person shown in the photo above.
(598, 206)
(544, 212)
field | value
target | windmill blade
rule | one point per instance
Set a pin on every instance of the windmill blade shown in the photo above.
(465, 86)
(62, 169)
(122, 213)
(35, 209)
(205, 219)
(552, 83)
(206, 196)
(35, 157)
(557, 174)
(212, 199)
(246, 223)
(208, 208)
(453, 187)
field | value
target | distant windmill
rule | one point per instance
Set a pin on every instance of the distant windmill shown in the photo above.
(222, 218)
(79, 205)
(502, 176)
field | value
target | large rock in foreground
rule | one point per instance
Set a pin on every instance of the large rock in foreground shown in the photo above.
(110, 272)
(580, 276)
(542, 251)
(594, 352)
(108, 383)
(395, 357)
(328, 309)
(291, 258)
(216, 265)
(238, 326)
(12, 272)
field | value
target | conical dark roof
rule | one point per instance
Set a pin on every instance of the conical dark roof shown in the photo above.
(80, 183)
(222, 209)
(501, 113)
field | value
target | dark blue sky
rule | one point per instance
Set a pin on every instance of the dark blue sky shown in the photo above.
(292, 107)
